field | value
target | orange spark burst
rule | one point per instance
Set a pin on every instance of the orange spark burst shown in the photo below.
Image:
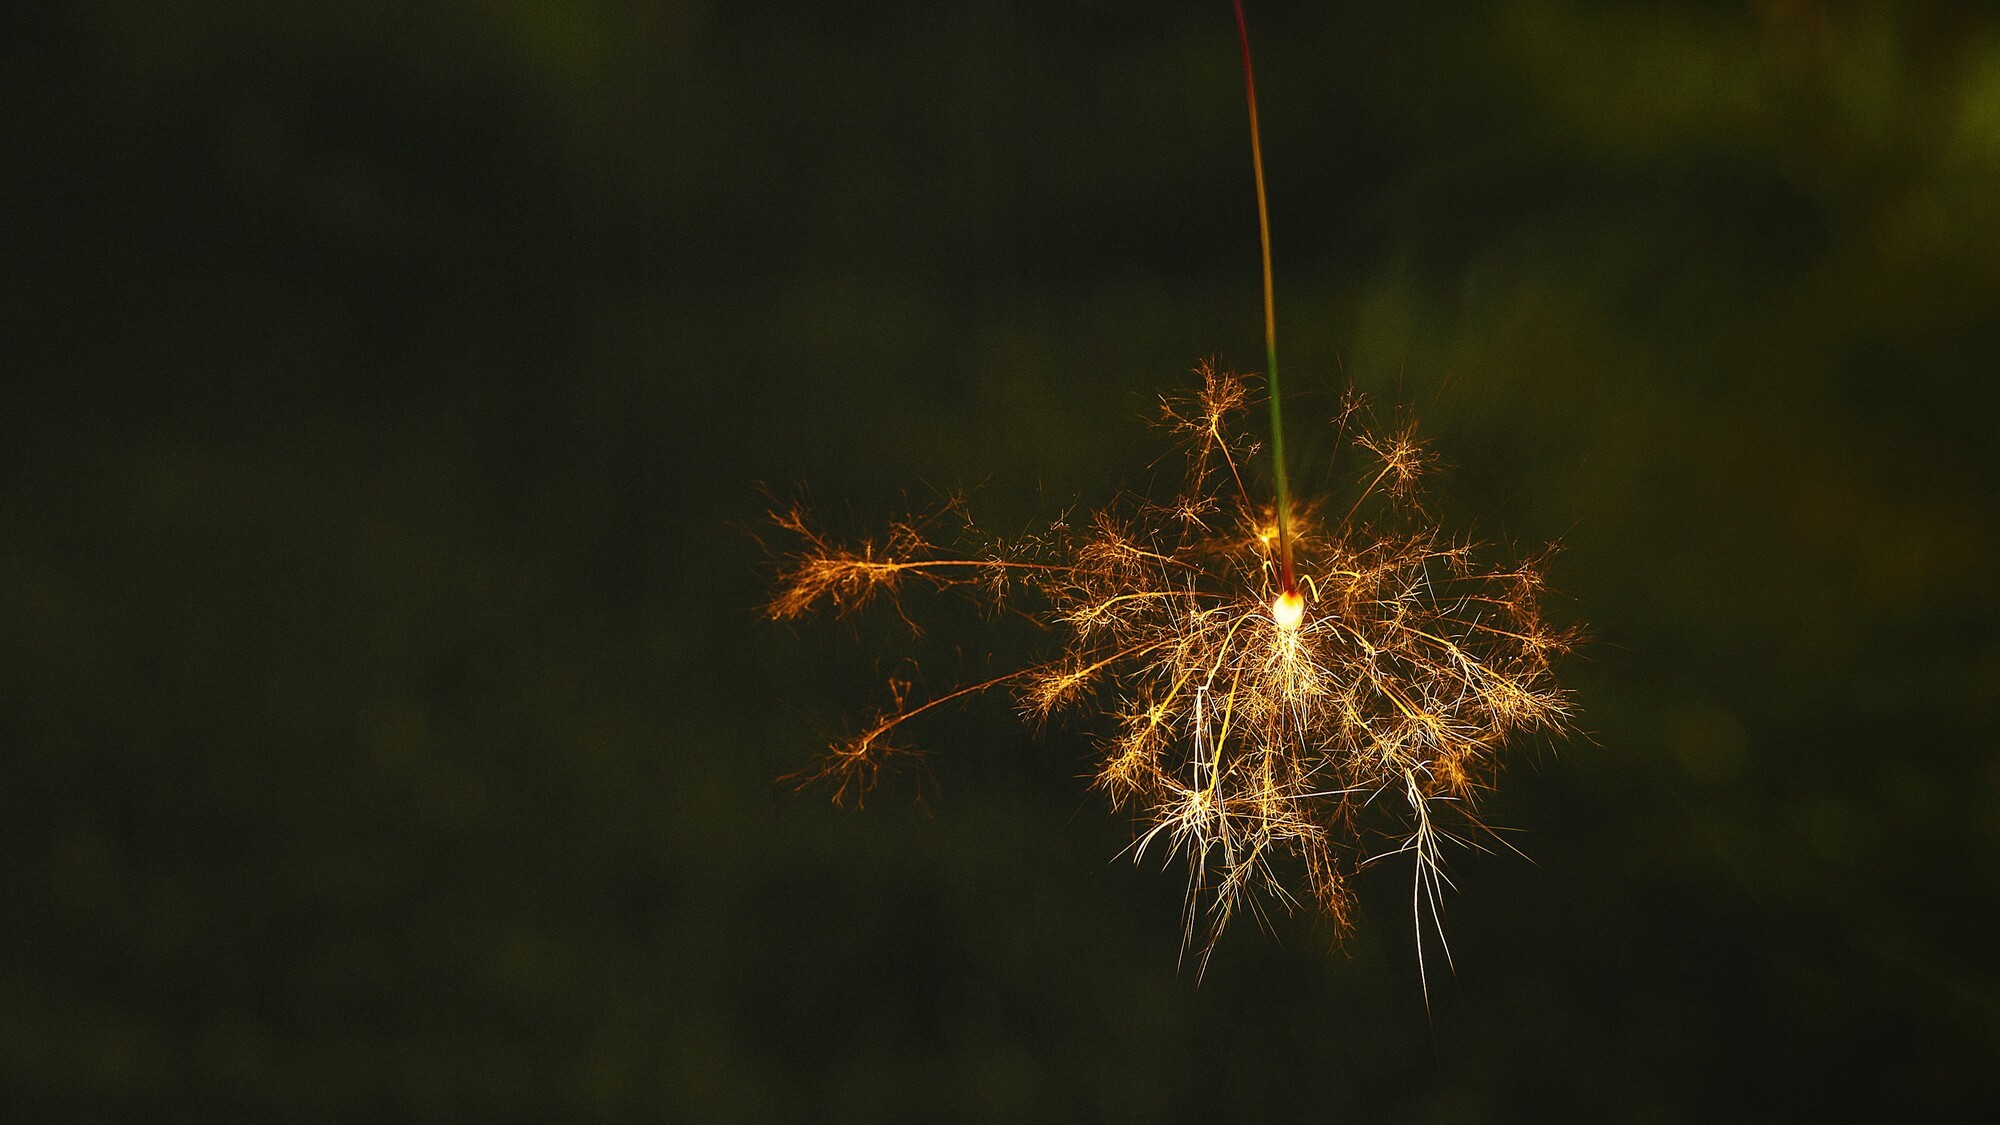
(1267, 737)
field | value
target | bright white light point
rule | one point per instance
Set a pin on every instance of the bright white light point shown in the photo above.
(1288, 610)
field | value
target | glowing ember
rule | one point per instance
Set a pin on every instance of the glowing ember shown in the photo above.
(1288, 611)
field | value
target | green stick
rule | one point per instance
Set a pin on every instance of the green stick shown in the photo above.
(1289, 582)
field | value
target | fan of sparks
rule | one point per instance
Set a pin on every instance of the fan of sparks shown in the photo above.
(1273, 740)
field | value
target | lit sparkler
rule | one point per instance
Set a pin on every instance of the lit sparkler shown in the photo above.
(1281, 695)
(1265, 737)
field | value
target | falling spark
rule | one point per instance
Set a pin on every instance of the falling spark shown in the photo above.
(1273, 740)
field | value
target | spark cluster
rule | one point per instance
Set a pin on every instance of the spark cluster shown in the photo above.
(1274, 740)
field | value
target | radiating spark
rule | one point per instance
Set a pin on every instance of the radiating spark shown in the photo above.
(1267, 738)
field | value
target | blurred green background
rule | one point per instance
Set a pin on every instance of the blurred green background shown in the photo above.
(389, 729)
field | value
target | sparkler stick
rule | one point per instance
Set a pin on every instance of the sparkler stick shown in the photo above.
(1284, 609)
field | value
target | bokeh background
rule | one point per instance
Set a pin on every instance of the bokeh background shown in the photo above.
(389, 730)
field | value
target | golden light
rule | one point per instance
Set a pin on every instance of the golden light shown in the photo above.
(1269, 762)
(1288, 610)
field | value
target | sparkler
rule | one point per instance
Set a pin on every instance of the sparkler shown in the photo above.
(1282, 691)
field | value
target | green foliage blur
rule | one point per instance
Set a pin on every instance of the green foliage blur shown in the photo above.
(389, 730)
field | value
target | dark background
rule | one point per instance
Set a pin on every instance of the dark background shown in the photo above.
(390, 730)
